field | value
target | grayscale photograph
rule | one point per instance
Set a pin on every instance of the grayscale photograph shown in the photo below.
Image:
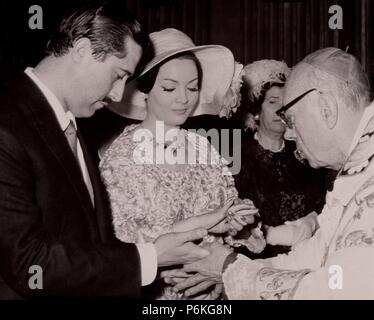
(195, 150)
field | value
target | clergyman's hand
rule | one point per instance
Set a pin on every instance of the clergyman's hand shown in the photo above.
(209, 271)
(174, 276)
(177, 248)
(211, 265)
(293, 232)
(213, 294)
(199, 284)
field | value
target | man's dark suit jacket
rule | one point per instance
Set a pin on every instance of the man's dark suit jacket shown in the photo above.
(46, 214)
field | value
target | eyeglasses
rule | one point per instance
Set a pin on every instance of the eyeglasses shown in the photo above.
(281, 112)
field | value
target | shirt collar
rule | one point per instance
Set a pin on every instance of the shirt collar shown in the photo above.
(63, 117)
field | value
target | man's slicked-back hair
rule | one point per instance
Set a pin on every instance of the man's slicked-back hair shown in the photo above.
(106, 26)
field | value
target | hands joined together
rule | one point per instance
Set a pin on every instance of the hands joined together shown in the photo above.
(201, 275)
(201, 279)
(231, 217)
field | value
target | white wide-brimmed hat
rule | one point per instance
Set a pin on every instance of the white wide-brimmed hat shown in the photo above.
(221, 76)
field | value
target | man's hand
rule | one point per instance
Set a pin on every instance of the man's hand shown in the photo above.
(177, 248)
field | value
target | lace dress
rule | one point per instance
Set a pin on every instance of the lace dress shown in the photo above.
(146, 199)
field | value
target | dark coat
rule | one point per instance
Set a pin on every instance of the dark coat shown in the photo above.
(46, 215)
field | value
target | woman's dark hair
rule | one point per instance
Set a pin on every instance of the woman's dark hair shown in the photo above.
(106, 26)
(254, 107)
(147, 81)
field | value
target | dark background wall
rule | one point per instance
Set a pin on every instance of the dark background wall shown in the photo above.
(252, 29)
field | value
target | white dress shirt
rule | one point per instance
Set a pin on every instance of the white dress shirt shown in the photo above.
(63, 118)
(147, 251)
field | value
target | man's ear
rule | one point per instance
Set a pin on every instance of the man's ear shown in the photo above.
(329, 109)
(81, 49)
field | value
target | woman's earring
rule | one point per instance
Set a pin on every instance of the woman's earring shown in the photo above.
(252, 121)
(144, 96)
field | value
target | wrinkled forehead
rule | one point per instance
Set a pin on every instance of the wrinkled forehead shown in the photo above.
(297, 83)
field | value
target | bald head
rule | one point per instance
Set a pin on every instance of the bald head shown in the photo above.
(324, 120)
(332, 71)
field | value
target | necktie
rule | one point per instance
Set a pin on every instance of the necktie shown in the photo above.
(71, 135)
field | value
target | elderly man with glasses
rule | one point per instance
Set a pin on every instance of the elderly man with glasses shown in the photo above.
(327, 114)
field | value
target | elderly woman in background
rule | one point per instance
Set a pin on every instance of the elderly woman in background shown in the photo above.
(287, 192)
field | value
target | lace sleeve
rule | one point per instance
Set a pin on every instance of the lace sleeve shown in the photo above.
(131, 192)
(128, 210)
(217, 184)
(225, 173)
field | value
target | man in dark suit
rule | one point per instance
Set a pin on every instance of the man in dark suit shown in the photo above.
(54, 212)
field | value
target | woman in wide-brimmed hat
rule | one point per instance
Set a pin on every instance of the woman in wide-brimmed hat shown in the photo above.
(161, 178)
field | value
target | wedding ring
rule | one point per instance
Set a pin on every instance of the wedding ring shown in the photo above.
(232, 232)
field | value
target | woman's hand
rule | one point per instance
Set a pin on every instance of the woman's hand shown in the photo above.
(239, 215)
(229, 217)
(206, 221)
